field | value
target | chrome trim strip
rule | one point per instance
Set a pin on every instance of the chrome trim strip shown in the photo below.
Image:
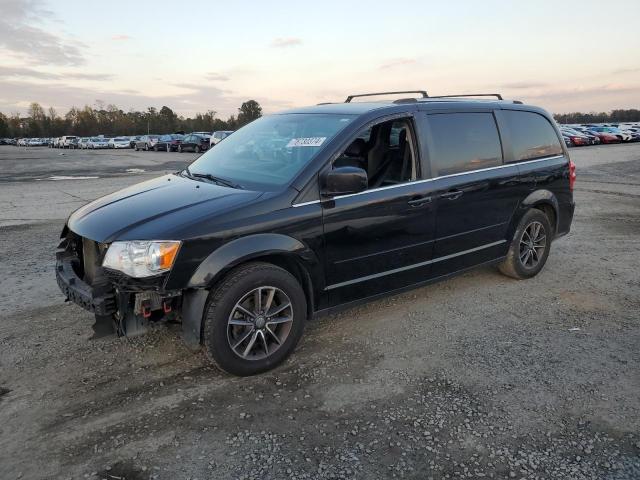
(410, 267)
(415, 182)
(305, 203)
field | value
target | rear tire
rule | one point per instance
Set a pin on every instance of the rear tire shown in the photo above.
(529, 248)
(248, 329)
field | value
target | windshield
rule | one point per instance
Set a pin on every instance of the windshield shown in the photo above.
(269, 152)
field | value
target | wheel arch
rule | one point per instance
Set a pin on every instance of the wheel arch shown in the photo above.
(543, 200)
(280, 250)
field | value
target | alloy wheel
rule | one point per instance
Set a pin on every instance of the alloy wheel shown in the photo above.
(260, 323)
(532, 244)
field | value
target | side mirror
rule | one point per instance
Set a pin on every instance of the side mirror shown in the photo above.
(343, 181)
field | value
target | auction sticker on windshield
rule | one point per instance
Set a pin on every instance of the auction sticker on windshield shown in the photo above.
(306, 142)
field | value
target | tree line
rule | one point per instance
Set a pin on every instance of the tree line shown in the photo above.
(111, 120)
(614, 116)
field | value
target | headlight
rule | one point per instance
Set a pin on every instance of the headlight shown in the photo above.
(141, 259)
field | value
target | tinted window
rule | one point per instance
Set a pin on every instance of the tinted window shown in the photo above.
(463, 141)
(532, 136)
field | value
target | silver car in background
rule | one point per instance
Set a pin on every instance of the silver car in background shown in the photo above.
(97, 142)
(119, 142)
(218, 136)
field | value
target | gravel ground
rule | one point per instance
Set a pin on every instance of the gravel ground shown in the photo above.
(478, 376)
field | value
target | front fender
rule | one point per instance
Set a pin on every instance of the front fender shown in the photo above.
(244, 249)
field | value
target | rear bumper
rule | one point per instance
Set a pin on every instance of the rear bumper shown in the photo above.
(565, 218)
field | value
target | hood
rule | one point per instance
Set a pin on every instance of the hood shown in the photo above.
(157, 209)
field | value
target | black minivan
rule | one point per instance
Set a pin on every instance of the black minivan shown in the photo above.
(315, 209)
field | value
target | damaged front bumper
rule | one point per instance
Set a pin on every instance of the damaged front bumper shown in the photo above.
(98, 298)
(121, 304)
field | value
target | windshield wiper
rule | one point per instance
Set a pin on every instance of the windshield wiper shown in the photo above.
(212, 178)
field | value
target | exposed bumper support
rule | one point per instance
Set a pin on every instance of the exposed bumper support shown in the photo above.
(98, 299)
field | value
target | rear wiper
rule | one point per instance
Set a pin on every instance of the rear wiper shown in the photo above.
(212, 178)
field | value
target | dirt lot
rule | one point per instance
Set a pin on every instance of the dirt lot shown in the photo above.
(478, 376)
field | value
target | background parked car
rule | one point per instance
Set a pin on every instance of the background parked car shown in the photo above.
(168, 143)
(195, 142)
(623, 136)
(146, 142)
(119, 142)
(65, 141)
(97, 143)
(605, 137)
(218, 136)
(133, 140)
(577, 138)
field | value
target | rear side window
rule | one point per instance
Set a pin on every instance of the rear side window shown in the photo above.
(532, 136)
(462, 142)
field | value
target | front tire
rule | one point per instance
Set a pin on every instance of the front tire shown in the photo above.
(254, 319)
(529, 248)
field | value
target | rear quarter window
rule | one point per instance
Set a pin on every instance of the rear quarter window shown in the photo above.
(532, 135)
(462, 142)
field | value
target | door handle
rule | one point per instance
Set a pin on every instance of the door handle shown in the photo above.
(419, 201)
(452, 194)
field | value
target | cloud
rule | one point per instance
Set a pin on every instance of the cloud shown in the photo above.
(21, 37)
(522, 85)
(286, 42)
(61, 96)
(216, 77)
(121, 38)
(88, 76)
(26, 72)
(16, 95)
(623, 71)
(606, 90)
(398, 62)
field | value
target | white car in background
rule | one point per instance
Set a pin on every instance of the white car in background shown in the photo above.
(65, 142)
(97, 142)
(119, 142)
(218, 136)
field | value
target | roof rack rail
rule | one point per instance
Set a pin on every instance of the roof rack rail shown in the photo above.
(421, 92)
(497, 95)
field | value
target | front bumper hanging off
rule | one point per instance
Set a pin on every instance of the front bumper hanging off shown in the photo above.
(121, 305)
(98, 298)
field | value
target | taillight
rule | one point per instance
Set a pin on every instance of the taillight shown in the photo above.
(572, 175)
